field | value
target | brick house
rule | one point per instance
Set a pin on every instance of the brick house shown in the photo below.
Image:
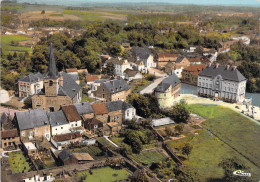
(190, 74)
(72, 116)
(10, 138)
(33, 124)
(59, 89)
(65, 157)
(167, 91)
(85, 110)
(113, 90)
(164, 58)
(93, 125)
(182, 61)
(30, 84)
(61, 141)
(100, 112)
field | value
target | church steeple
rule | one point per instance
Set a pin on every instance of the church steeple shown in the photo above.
(52, 72)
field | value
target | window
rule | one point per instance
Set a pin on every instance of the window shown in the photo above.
(127, 113)
(72, 125)
(76, 124)
(61, 127)
(50, 83)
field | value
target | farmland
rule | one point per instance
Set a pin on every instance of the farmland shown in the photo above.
(7, 40)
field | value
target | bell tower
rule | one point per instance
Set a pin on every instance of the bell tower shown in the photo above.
(51, 82)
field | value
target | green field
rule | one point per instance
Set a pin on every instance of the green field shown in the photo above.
(7, 39)
(148, 157)
(18, 162)
(208, 151)
(84, 15)
(11, 7)
(105, 174)
(93, 150)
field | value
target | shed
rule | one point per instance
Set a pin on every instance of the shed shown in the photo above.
(161, 122)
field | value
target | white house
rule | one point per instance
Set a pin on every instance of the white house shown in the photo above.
(120, 65)
(132, 75)
(39, 178)
(143, 54)
(72, 116)
(129, 111)
(189, 50)
(222, 82)
(59, 123)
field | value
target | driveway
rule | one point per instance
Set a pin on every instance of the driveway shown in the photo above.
(149, 89)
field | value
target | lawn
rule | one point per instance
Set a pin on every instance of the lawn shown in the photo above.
(18, 162)
(87, 99)
(105, 174)
(148, 157)
(106, 143)
(7, 39)
(93, 150)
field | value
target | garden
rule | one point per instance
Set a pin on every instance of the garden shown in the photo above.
(93, 150)
(18, 162)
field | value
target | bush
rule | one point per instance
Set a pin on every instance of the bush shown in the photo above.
(28, 102)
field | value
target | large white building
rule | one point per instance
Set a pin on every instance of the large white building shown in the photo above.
(120, 65)
(222, 82)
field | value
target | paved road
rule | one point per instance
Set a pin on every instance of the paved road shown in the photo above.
(149, 89)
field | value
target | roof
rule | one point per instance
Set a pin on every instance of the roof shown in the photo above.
(130, 72)
(52, 72)
(117, 61)
(70, 87)
(162, 121)
(167, 55)
(116, 85)
(9, 133)
(196, 69)
(57, 118)
(91, 78)
(74, 76)
(83, 156)
(31, 119)
(172, 80)
(179, 59)
(141, 52)
(30, 146)
(65, 155)
(66, 137)
(194, 60)
(114, 106)
(99, 108)
(32, 78)
(227, 73)
(71, 113)
(93, 121)
(84, 108)
(69, 70)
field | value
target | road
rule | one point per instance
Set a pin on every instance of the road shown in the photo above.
(149, 89)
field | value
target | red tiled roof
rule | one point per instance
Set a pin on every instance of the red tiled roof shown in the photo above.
(196, 69)
(65, 137)
(162, 55)
(71, 70)
(71, 113)
(9, 133)
(195, 60)
(99, 108)
(91, 78)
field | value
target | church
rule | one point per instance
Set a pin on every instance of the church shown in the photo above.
(59, 89)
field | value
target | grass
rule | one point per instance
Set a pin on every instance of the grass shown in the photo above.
(11, 7)
(86, 98)
(208, 151)
(84, 15)
(93, 150)
(55, 14)
(7, 39)
(105, 174)
(138, 87)
(148, 157)
(18, 162)
(106, 143)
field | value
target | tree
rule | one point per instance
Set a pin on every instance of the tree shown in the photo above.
(178, 128)
(185, 174)
(186, 150)
(169, 131)
(28, 102)
(109, 70)
(180, 113)
(43, 12)
(140, 176)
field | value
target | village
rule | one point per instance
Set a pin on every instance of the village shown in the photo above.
(135, 112)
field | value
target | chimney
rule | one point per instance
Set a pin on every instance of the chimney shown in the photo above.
(61, 81)
(217, 65)
(228, 66)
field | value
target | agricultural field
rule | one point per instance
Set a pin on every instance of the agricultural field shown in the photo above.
(93, 150)
(18, 162)
(9, 8)
(7, 40)
(208, 151)
(148, 157)
(105, 174)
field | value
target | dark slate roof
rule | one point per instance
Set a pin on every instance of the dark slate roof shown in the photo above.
(114, 106)
(116, 85)
(74, 76)
(65, 155)
(179, 59)
(100, 81)
(227, 74)
(52, 72)
(84, 108)
(167, 82)
(127, 106)
(130, 72)
(141, 52)
(70, 87)
(31, 119)
(57, 118)
(32, 78)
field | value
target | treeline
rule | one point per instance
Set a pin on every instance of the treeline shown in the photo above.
(57, 23)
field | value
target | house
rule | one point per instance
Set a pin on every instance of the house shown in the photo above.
(164, 58)
(30, 84)
(195, 61)
(182, 61)
(59, 89)
(161, 122)
(130, 75)
(143, 54)
(129, 112)
(73, 72)
(91, 78)
(65, 157)
(30, 148)
(59, 123)
(33, 124)
(171, 69)
(38, 176)
(222, 82)
(85, 110)
(189, 50)
(94, 125)
(72, 116)
(63, 140)
(112, 90)
(120, 66)
(10, 138)
(100, 111)
(167, 91)
(210, 53)
(190, 74)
